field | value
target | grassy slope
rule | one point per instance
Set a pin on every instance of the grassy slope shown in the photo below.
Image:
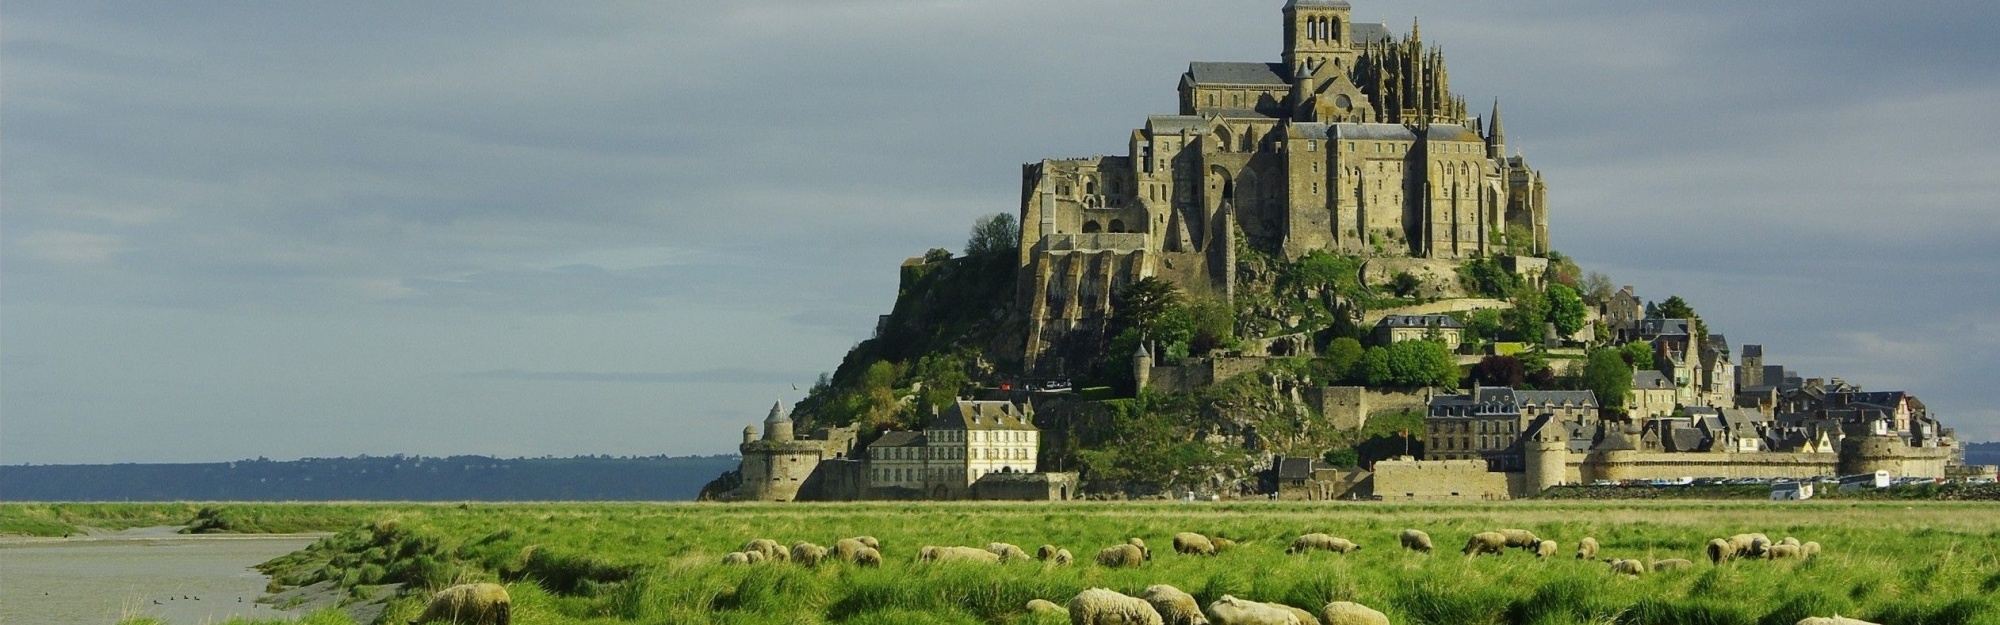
(1891, 563)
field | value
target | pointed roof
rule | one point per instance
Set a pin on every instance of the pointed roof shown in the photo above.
(1498, 134)
(778, 414)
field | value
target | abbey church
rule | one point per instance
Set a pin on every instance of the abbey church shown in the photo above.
(1352, 143)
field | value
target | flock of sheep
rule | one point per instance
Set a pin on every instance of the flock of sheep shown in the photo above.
(1161, 604)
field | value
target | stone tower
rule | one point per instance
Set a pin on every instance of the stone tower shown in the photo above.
(1547, 451)
(1316, 33)
(778, 425)
(1142, 369)
(749, 434)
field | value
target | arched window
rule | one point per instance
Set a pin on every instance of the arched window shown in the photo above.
(1222, 139)
(1117, 225)
(1090, 187)
(1333, 29)
(1091, 227)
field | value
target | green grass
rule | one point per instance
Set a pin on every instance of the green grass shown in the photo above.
(59, 519)
(1890, 562)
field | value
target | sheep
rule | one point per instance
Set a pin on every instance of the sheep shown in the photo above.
(1784, 552)
(769, 548)
(1741, 543)
(1546, 549)
(736, 558)
(1062, 558)
(469, 604)
(1522, 539)
(1233, 611)
(1720, 549)
(1317, 540)
(756, 557)
(1121, 556)
(943, 555)
(845, 548)
(868, 557)
(1304, 616)
(1103, 606)
(1486, 542)
(870, 542)
(1044, 606)
(1672, 564)
(1630, 568)
(1045, 552)
(1007, 552)
(1759, 543)
(1141, 544)
(1836, 619)
(1193, 544)
(808, 554)
(1222, 544)
(1811, 548)
(1175, 607)
(1586, 549)
(1416, 540)
(1789, 541)
(1350, 613)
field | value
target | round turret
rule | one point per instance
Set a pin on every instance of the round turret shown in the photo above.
(778, 425)
(1142, 369)
(1547, 457)
(749, 434)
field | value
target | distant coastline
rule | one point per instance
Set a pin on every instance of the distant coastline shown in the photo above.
(371, 478)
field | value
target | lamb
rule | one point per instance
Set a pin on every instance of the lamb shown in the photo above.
(469, 604)
(868, 557)
(1175, 607)
(1521, 539)
(1141, 544)
(1045, 552)
(1416, 540)
(845, 548)
(1222, 544)
(1044, 606)
(1007, 552)
(1720, 549)
(1350, 613)
(1630, 568)
(769, 548)
(1317, 540)
(1789, 541)
(1062, 558)
(1486, 542)
(736, 558)
(1672, 564)
(1836, 619)
(808, 554)
(1193, 544)
(1785, 552)
(1546, 549)
(1121, 556)
(1586, 549)
(1103, 606)
(1811, 548)
(943, 555)
(1233, 611)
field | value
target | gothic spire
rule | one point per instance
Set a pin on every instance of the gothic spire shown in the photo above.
(1497, 136)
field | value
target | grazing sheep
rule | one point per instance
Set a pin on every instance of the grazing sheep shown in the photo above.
(1175, 607)
(756, 557)
(1007, 552)
(1486, 542)
(1320, 541)
(1785, 552)
(1836, 619)
(1045, 552)
(1721, 549)
(1141, 544)
(1546, 549)
(1350, 613)
(1121, 556)
(1103, 606)
(870, 542)
(1811, 548)
(808, 554)
(945, 555)
(769, 548)
(845, 548)
(736, 558)
(1304, 616)
(1193, 544)
(868, 557)
(1631, 568)
(1233, 611)
(1044, 606)
(1672, 564)
(1222, 544)
(469, 604)
(1416, 540)
(1789, 541)
(1759, 543)
(1586, 549)
(1062, 558)
(1740, 543)
(1521, 539)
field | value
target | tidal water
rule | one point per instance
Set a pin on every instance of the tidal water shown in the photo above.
(99, 580)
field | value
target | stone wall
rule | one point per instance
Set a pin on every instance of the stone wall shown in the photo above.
(1440, 480)
(1633, 465)
(1025, 487)
(836, 480)
(1344, 407)
(1328, 485)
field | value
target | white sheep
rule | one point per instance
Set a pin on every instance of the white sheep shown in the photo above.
(1630, 568)
(1586, 549)
(1350, 613)
(1836, 619)
(1546, 549)
(1044, 606)
(1416, 540)
(868, 557)
(1672, 564)
(1521, 539)
(1121, 556)
(1175, 606)
(1318, 541)
(1103, 606)
(1233, 611)
(1193, 544)
(1007, 552)
(1486, 542)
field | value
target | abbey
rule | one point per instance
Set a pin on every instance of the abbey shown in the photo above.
(1353, 143)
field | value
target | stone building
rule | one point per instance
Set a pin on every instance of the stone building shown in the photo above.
(1399, 328)
(1353, 143)
(779, 466)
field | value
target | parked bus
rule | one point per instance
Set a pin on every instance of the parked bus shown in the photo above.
(1859, 481)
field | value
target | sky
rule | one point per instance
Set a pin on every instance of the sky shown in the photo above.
(242, 229)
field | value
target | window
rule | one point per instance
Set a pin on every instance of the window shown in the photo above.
(1312, 146)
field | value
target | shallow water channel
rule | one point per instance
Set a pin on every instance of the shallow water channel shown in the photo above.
(97, 580)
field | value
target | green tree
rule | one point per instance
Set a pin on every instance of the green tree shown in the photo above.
(1213, 325)
(1485, 323)
(1405, 285)
(1677, 308)
(997, 233)
(937, 255)
(1410, 363)
(1342, 356)
(1638, 354)
(1500, 371)
(1607, 374)
(1142, 304)
(1565, 309)
(1597, 288)
(1485, 276)
(1528, 319)
(943, 377)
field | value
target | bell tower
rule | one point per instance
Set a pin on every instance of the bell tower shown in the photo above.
(1317, 32)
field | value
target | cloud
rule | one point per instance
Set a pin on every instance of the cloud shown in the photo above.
(68, 248)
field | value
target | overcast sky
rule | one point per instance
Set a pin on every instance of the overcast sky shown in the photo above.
(319, 229)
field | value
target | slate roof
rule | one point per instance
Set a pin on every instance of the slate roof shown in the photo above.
(1489, 401)
(1685, 439)
(1419, 321)
(1325, 4)
(1239, 113)
(1237, 73)
(1295, 468)
(1753, 351)
(1359, 32)
(983, 415)
(1173, 124)
(1373, 132)
(1650, 379)
(1556, 398)
(899, 439)
(1451, 132)
(1309, 130)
